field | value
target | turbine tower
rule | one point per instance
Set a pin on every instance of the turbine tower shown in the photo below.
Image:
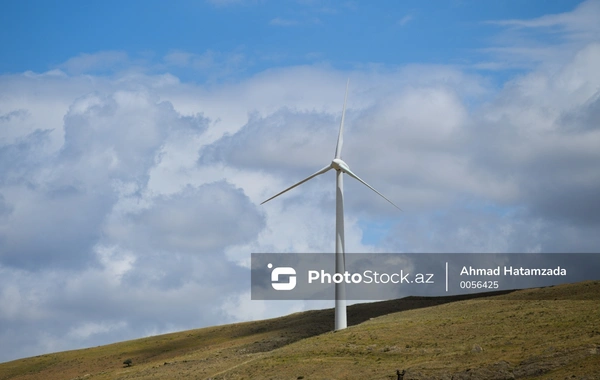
(340, 258)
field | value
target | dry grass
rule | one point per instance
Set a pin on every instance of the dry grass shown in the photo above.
(550, 333)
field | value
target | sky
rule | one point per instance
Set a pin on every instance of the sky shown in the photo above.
(137, 143)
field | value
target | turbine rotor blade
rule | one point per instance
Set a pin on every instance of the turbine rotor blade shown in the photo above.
(325, 169)
(349, 172)
(340, 142)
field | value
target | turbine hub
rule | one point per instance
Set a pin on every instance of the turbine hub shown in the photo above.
(339, 164)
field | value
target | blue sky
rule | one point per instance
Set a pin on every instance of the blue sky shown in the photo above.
(137, 143)
(39, 35)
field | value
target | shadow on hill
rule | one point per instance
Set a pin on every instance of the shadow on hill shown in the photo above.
(294, 327)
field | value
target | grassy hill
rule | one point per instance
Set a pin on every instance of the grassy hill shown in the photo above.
(548, 333)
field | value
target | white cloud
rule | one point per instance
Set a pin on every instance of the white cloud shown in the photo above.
(214, 64)
(405, 20)
(225, 3)
(549, 40)
(242, 308)
(100, 61)
(278, 21)
(86, 330)
(581, 22)
(117, 262)
(179, 58)
(200, 220)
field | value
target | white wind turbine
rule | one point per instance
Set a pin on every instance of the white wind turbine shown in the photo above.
(340, 259)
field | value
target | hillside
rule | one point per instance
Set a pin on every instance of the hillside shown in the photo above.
(548, 333)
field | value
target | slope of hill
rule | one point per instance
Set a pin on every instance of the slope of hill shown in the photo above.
(548, 333)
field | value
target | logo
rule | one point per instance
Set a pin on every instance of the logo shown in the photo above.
(282, 271)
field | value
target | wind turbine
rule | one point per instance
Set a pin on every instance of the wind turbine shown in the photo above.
(340, 258)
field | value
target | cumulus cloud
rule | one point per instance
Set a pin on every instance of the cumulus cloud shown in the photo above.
(200, 220)
(59, 200)
(82, 230)
(531, 135)
(284, 137)
(522, 150)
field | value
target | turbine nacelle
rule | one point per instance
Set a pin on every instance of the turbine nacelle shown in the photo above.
(338, 164)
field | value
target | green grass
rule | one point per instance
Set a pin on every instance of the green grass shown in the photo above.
(549, 333)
